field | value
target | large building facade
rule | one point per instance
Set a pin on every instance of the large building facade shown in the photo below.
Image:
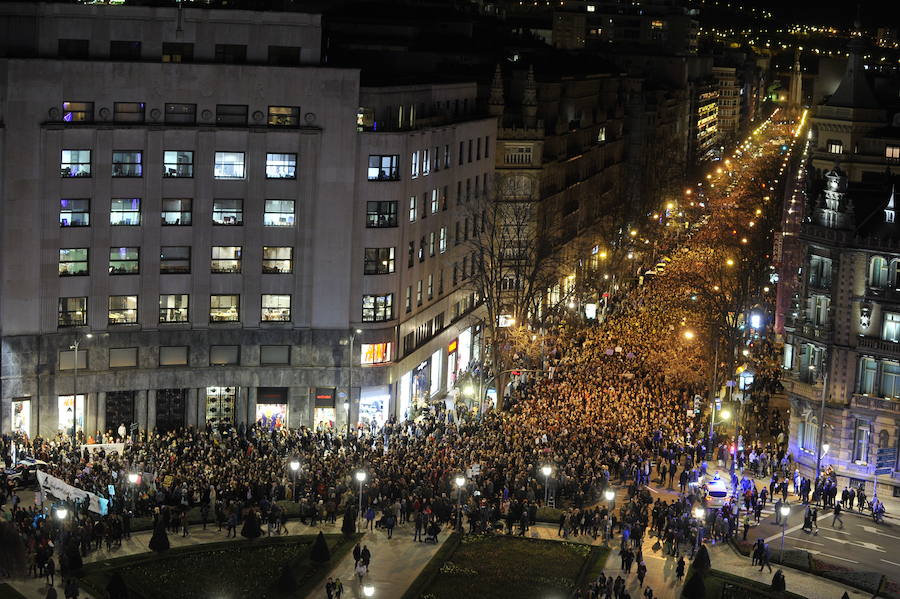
(196, 202)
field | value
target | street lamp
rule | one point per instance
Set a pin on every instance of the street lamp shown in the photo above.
(294, 466)
(62, 513)
(460, 481)
(133, 478)
(74, 347)
(368, 590)
(361, 478)
(699, 513)
(689, 335)
(546, 470)
(785, 511)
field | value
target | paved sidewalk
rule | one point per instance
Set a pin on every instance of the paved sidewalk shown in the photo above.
(395, 563)
(726, 559)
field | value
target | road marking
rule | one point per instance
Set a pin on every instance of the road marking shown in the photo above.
(806, 541)
(860, 544)
(843, 559)
(891, 563)
(874, 530)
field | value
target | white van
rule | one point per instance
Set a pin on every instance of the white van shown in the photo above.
(716, 492)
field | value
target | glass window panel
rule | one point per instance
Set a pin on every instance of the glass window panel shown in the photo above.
(127, 163)
(75, 163)
(377, 308)
(226, 259)
(381, 214)
(77, 112)
(178, 163)
(278, 260)
(180, 114)
(231, 114)
(384, 167)
(174, 259)
(125, 212)
(74, 213)
(281, 166)
(176, 212)
(73, 262)
(174, 308)
(229, 165)
(128, 112)
(284, 116)
(228, 212)
(123, 309)
(276, 308)
(124, 261)
(224, 308)
(279, 213)
(72, 311)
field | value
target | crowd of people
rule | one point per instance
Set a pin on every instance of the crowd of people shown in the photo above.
(616, 408)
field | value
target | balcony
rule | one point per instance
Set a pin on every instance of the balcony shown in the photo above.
(876, 403)
(879, 345)
(821, 332)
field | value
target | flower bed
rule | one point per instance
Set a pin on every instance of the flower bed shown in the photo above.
(238, 570)
(490, 566)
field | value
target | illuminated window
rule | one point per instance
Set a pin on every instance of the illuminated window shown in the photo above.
(892, 152)
(72, 312)
(75, 163)
(74, 112)
(226, 259)
(278, 260)
(835, 146)
(125, 212)
(375, 353)
(378, 261)
(229, 165)
(124, 260)
(173, 308)
(224, 308)
(384, 167)
(73, 262)
(276, 308)
(284, 116)
(74, 213)
(228, 212)
(176, 212)
(657, 24)
(377, 308)
(281, 166)
(127, 164)
(279, 213)
(123, 309)
(178, 164)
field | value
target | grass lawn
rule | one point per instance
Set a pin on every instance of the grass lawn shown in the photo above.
(500, 566)
(237, 570)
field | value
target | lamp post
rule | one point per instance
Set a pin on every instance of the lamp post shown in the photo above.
(295, 466)
(546, 470)
(610, 496)
(368, 590)
(713, 389)
(785, 511)
(74, 347)
(821, 417)
(353, 335)
(361, 478)
(699, 513)
(460, 481)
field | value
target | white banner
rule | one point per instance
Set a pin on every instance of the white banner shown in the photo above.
(50, 485)
(107, 447)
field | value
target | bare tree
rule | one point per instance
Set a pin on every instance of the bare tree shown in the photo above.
(514, 271)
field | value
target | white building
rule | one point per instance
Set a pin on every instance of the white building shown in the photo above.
(186, 193)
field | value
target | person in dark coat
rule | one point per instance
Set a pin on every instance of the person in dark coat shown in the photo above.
(251, 529)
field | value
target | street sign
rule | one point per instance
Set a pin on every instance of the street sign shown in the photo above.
(887, 452)
(885, 459)
(881, 471)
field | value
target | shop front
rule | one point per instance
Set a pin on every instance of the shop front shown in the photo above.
(452, 361)
(220, 405)
(435, 384)
(21, 416)
(271, 407)
(324, 413)
(373, 405)
(459, 354)
(71, 409)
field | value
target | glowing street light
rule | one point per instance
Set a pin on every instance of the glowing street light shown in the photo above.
(62, 513)
(361, 478)
(368, 590)
(546, 470)
(726, 415)
(689, 334)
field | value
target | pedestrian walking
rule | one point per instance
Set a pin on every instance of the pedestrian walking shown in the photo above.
(837, 515)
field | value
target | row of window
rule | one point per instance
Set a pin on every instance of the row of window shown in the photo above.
(180, 114)
(386, 167)
(174, 212)
(177, 164)
(173, 308)
(883, 274)
(177, 355)
(175, 259)
(177, 52)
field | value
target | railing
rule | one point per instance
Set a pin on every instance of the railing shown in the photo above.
(878, 344)
(876, 403)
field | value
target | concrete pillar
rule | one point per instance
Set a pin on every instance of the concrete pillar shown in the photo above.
(299, 409)
(190, 408)
(250, 411)
(151, 409)
(101, 411)
(140, 408)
